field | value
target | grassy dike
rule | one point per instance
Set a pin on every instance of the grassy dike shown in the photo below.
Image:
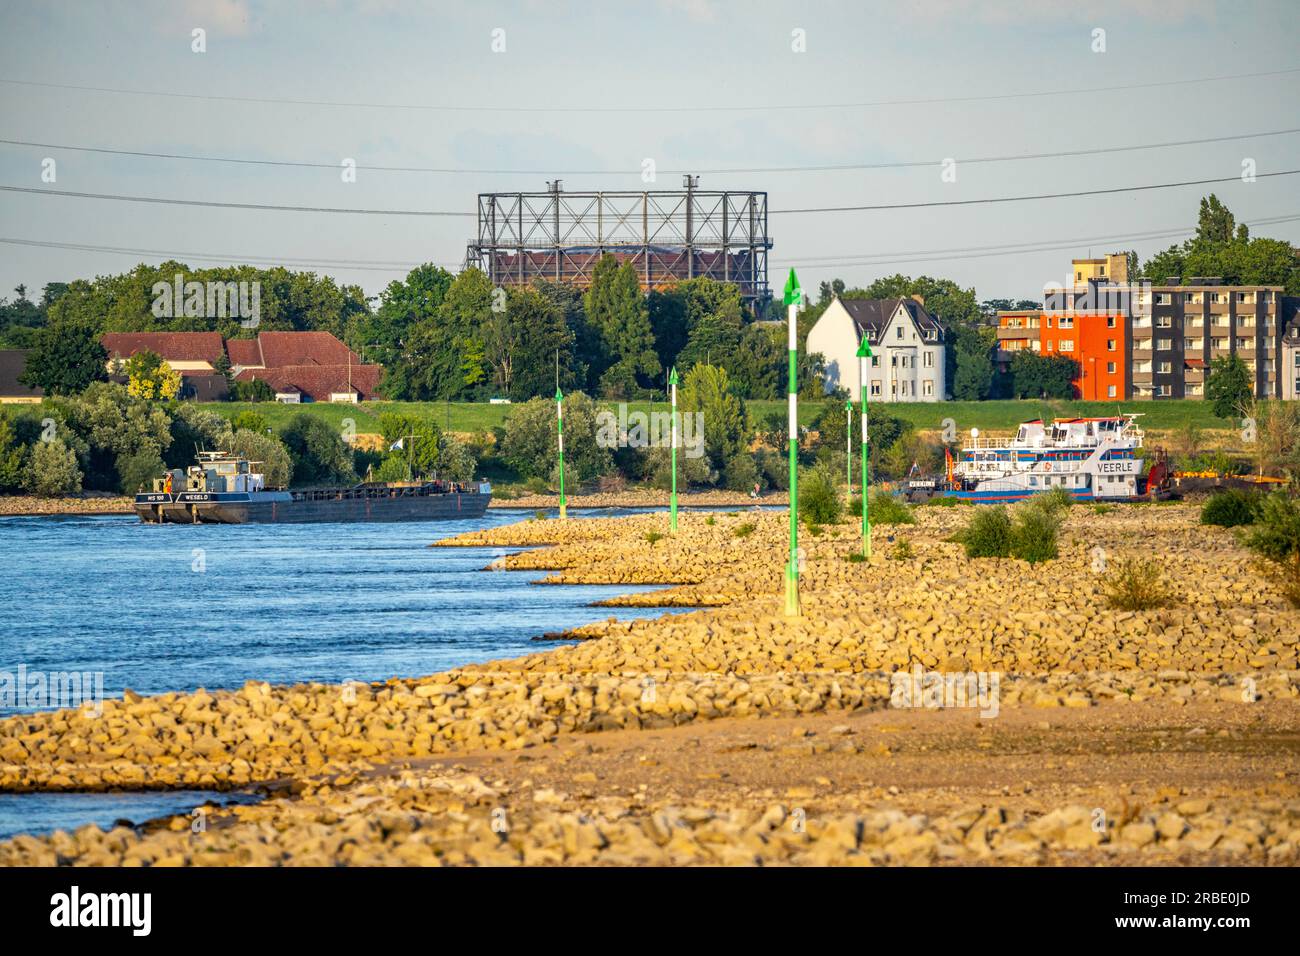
(735, 735)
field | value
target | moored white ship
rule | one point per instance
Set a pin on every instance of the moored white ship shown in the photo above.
(1090, 458)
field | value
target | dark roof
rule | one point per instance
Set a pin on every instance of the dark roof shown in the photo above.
(12, 363)
(244, 352)
(205, 388)
(281, 349)
(872, 315)
(170, 346)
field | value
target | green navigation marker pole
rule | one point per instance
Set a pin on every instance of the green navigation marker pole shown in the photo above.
(864, 353)
(793, 299)
(672, 388)
(848, 449)
(559, 433)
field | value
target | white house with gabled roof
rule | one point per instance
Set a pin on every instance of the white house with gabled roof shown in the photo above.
(907, 349)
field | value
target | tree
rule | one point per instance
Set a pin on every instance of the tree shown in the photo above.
(760, 362)
(529, 444)
(421, 440)
(1215, 222)
(266, 454)
(707, 389)
(1228, 386)
(252, 390)
(137, 470)
(1043, 376)
(66, 358)
(616, 307)
(318, 452)
(12, 451)
(51, 470)
(150, 378)
(973, 372)
(523, 342)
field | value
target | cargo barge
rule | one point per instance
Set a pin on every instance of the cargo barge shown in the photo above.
(224, 489)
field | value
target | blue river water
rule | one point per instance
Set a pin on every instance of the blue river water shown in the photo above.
(176, 607)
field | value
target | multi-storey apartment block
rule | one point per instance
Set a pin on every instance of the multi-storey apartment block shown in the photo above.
(1142, 340)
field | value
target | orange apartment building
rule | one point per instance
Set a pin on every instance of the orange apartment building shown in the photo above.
(1097, 341)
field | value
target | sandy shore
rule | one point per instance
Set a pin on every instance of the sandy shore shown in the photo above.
(735, 735)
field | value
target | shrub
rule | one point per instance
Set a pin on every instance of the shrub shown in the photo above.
(885, 508)
(739, 473)
(710, 520)
(1230, 508)
(941, 501)
(1103, 509)
(1135, 584)
(1055, 500)
(137, 471)
(249, 421)
(744, 530)
(902, 550)
(815, 530)
(51, 470)
(1275, 538)
(537, 485)
(1033, 532)
(253, 390)
(857, 557)
(819, 497)
(653, 537)
(989, 533)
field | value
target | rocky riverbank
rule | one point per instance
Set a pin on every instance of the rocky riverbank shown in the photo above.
(500, 762)
(27, 505)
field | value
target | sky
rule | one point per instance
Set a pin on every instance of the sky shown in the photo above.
(694, 85)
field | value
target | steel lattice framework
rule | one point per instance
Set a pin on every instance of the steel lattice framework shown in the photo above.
(667, 235)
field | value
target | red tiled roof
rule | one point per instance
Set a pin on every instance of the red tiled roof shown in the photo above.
(243, 352)
(171, 346)
(280, 349)
(318, 382)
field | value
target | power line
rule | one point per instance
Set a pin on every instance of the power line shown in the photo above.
(234, 205)
(998, 199)
(774, 212)
(865, 259)
(830, 167)
(457, 108)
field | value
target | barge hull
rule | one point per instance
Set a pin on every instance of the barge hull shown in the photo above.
(422, 508)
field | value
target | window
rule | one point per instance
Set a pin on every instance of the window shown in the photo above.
(1165, 368)
(1164, 322)
(1110, 391)
(1067, 322)
(929, 360)
(875, 361)
(875, 388)
(899, 333)
(1110, 368)
(1067, 345)
(928, 387)
(1164, 344)
(893, 361)
(1162, 298)
(1164, 390)
(1110, 345)
(1110, 321)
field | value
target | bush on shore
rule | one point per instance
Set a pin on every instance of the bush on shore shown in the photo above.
(1231, 508)
(51, 470)
(1135, 584)
(884, 508)
(989, 533)
(1275, 538)
(1034, 530)
(819, 497)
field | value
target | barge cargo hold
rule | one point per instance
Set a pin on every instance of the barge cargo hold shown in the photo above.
(223, 489)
